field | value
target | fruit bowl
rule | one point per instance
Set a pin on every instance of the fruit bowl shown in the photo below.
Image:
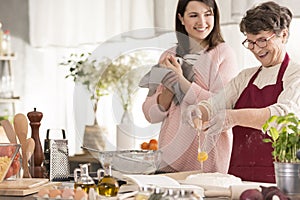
(130, 161)
(9, 160)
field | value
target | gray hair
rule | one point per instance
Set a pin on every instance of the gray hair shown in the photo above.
(268, 16)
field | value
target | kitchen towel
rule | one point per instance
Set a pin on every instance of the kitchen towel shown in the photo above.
(155, 76)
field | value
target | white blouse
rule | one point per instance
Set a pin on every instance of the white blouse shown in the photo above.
(288, 100)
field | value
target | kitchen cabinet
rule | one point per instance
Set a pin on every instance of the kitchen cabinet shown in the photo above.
(7, 98)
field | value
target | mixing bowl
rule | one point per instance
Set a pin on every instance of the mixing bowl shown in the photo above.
(130, 161)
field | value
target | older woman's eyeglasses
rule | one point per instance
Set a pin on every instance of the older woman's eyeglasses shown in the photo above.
(262, 42)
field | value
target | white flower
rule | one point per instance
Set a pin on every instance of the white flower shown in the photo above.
(101, 78)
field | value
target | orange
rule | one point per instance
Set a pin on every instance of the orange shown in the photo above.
(144, 146)
(153, 146)
(153, 141)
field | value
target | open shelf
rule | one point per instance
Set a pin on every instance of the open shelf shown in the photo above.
(9, 100)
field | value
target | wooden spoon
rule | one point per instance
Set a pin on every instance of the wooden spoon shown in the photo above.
(21, 129)
(9, 130)
(30, 145)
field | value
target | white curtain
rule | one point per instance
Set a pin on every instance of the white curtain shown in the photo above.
(74, 22)
(60, 27)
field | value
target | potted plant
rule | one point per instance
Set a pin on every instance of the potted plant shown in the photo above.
(120, 75)
(129, 70)
(284, 134)
(89, 73)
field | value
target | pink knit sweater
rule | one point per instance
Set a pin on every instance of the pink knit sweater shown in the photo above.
(179, 141)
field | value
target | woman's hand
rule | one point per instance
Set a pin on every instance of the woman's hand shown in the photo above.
(193, 116)
(219, 123)
(169, 61)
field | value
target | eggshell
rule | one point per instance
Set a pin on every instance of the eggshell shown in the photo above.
(80, 195)
(55, 193)
(92, 194)
(43, 193)
(68, 193)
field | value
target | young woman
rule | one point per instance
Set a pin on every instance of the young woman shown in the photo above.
(209, 63)
(256, 93)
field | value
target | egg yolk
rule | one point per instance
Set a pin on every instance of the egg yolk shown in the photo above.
(202, 156)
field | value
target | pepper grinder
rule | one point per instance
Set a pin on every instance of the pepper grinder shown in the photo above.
(35, 117)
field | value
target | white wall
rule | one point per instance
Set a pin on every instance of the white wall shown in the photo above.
(41, 83)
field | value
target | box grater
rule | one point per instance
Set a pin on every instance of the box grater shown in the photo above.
(56, 158)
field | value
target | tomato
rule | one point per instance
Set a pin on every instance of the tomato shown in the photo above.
(17, 156)
(16, 165)
(9, 172)
(7, 151)
(3, 151)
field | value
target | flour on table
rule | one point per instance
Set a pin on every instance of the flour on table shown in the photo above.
(213, 179)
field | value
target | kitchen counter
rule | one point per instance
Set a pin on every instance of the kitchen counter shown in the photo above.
(131, 186)
(123, 188)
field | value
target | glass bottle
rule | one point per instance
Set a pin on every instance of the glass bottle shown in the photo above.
(6, 80)
(157, 194)
(144, 193)
(169, 194)
(6, 43)
(83, 181)
(1, 38)
(107, 186)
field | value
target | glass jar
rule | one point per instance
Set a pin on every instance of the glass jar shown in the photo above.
(187, 195)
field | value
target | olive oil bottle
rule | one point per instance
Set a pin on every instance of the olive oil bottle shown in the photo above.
(84, 181)
(108, 186)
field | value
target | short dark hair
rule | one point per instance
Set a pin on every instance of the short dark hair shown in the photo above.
(268, 16)
(213, 39)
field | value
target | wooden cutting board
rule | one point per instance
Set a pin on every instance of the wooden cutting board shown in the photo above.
(25, 186)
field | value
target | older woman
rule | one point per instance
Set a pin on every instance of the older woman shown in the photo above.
(255, 94)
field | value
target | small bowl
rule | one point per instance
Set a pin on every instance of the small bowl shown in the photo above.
(9, 160)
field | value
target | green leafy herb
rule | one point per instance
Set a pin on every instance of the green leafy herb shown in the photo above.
(285, 137)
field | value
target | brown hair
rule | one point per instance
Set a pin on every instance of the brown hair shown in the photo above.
(213, 39)
(268, 16)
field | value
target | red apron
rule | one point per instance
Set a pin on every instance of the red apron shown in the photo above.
(251, 158)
